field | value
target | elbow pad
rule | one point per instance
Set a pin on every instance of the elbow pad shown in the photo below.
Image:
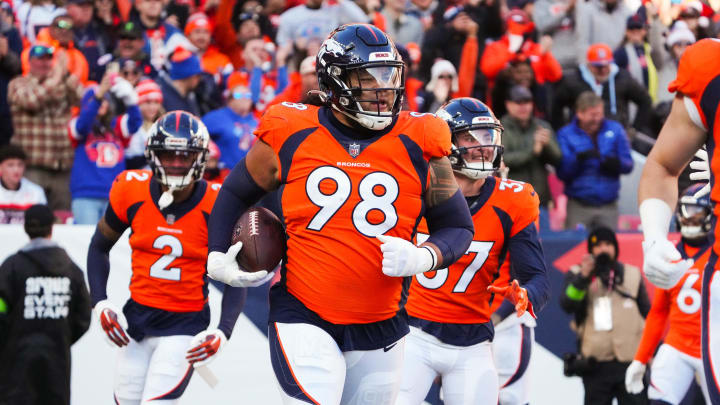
(451, 228)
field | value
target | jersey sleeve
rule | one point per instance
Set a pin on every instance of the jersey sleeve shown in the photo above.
(273, 126)
(654, 326)
(124, 192)
(438, 142)
(526, 205)
(698, 65)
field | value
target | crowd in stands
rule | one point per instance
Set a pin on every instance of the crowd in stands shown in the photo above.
(576, 83)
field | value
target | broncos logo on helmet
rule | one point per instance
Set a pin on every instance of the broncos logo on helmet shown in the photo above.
(360, 74)
(694, 215)
(177, 149)
(476, 137)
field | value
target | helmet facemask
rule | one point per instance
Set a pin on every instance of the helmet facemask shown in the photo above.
(477, 153)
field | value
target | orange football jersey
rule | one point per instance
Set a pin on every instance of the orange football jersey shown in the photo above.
(698, 79)
(169, 252)
(458, 294)
(337, 194)
(680, 308)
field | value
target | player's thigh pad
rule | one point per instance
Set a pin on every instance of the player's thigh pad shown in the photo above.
(670, 375)
(130, 370)
(512, 349)
(169, 372)
(373, 377)
(419, 371)
(309, 367)
(472, 378)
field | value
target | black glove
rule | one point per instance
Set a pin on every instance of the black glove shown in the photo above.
(610, 164)
(587, 154)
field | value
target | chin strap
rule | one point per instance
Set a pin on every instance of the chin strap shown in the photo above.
(166, 198)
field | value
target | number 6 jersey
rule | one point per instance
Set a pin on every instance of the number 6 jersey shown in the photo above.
(169, 248)
(337, 193)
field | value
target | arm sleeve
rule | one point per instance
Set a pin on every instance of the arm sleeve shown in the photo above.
(624, 155)
(505, 309)
(129, 123)
(655, 324)
(84, 122)
(468, 67)
(528, 264)
(233, 302)
(256, 77)
(81, 306)
(282, 79)
(451, 228)
(98, 265)
(549, 67)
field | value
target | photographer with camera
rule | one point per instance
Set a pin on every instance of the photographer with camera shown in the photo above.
(609, 302)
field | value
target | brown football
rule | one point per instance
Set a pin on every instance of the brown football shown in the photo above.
(263, 238)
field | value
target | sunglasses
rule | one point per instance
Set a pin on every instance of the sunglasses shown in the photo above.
(39, 51)
(239, 95)
(64, 25)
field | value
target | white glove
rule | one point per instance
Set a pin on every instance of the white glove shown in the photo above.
(634, 377)
(205, 346)
(224, 268)
(702, 172)
(123, 90)
(113, 322)
(402, 258)
(663, 264)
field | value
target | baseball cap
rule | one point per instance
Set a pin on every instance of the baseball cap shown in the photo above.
(518, 22)
(130, 30)
(184, 64)
(237, 79)
(38, 216)
(635, 22)
(519, 94)
(599, 55)
(41, 51)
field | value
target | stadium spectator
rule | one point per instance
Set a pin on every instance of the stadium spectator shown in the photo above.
(517, 44)
(677, 40)
(40, 104)
(160, 37)
(106, 16)
(600, 21)
(694, 15)
(315, 19)
(35, 15)
(178, 86)
(198, 30)
(635, 54)
(150, 100)
(264, 82)
(443, 85)
(529, 143)
(401, 26)
(10, 50)
(301, 84)
(609, 302)
(130, 46)
(520, 73)
(245, 27)
(44, 309)
(603, 77)
(423, 10)
(16, 192)
(88, 37)
(59, 35)
(231, 127)
(557, 19)
(100, 137)
(595, 152)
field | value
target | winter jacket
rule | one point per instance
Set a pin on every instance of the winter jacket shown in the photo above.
(497, 56)
(591, 168)
(617, 92)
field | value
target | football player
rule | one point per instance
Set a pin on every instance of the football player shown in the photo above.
(691, 124)
(449, 309)
(678, 359)
(167, 210)
(354, 177)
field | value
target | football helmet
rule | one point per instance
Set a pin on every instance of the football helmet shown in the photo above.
(177, 133)
(694, 215)
(471, 117)
(361, 75)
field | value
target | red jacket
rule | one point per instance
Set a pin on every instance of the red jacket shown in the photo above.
(497, 56)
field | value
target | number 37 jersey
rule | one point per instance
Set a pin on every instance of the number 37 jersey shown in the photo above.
(339, 192)
(169, 248)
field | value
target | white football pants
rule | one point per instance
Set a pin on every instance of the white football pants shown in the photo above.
(671, 374)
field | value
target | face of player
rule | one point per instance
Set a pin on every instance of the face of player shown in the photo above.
(11, 171)
(176, 162)
(591, 118)
(200, 37)
(480, 144)
(604, 247)
(374, 87)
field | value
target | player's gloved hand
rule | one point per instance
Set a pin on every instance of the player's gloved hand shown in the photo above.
(515, 294)
(204, 346)
(224, 268)
(702, 171)
(663, 264)
(113, 323)
(123, 90)
(402, 258)
(634, 377)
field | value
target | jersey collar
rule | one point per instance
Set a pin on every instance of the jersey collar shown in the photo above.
(478, 201)
(176, 211)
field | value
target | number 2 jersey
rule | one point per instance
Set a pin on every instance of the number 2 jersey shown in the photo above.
(169, 248)
(679, 307)
(453, 304)
(337, 193)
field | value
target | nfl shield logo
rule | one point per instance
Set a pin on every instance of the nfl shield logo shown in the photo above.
(354, 149)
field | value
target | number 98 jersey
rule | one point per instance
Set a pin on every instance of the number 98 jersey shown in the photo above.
(169, 248)
(337, 193)
(458, 294)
